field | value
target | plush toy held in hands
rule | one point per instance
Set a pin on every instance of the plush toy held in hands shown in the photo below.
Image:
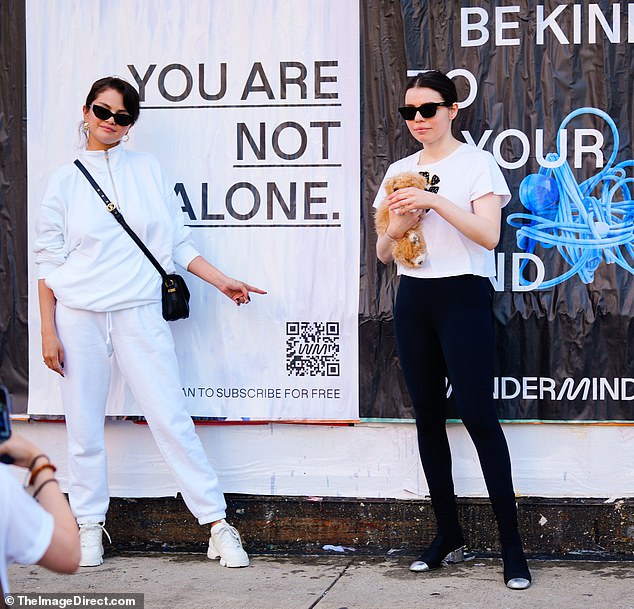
(410, 250)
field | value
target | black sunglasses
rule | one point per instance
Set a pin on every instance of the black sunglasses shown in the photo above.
(103, 114)
(426, 110)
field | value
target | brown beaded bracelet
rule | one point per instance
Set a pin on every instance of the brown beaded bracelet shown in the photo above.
(39, 488)
(40, 469)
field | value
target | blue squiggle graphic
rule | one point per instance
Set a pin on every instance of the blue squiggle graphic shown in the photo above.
(584, 228)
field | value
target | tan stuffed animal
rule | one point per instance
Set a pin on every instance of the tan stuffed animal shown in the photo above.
(410, 250)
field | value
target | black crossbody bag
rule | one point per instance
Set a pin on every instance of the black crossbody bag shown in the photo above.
(174, 291)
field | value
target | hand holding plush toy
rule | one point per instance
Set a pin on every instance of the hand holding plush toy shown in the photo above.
(410, 250)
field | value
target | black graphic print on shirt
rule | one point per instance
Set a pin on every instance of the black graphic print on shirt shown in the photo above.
(432, 181)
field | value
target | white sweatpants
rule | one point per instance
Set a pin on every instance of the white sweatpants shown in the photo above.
(142, 342)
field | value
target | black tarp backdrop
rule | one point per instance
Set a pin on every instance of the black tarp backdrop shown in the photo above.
(574, 333)
(13, 213)
(571, 331)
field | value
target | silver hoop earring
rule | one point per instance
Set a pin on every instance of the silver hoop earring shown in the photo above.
(85, 126)
(125, 138)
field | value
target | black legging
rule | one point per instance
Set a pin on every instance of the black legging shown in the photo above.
(444, 329)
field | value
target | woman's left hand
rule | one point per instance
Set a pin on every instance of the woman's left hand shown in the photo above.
(411, 199)
(238, 291)
(481, 224)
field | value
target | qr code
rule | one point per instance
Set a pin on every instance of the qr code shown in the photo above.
(312, 348)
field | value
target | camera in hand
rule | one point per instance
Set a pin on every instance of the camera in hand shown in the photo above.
(5, 421)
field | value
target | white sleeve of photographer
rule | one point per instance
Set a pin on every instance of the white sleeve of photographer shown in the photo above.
(26, 529)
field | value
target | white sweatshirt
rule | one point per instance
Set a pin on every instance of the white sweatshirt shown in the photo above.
(84, 254)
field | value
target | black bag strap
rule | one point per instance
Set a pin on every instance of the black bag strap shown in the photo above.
(120, 219)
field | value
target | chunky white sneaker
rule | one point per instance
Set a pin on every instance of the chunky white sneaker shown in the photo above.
(225, 543)
(91, 545)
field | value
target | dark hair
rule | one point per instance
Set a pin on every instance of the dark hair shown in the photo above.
(436, 80)
(128, 92)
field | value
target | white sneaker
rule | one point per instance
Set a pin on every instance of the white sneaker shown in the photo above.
(225, 543)
(91, 545)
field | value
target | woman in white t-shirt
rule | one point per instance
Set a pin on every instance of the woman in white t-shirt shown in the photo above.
(442, 315)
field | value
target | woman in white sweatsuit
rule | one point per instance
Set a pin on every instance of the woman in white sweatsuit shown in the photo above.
(100, 296)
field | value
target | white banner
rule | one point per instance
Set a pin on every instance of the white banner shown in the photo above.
(252, 107)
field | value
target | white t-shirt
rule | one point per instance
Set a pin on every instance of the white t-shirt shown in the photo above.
(465, 175)
(26, 528)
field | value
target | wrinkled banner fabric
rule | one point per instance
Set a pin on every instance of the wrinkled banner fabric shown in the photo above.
(253, 110)
(529, 71)
(547, 88)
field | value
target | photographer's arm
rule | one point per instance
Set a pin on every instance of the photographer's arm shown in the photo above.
(63, 552)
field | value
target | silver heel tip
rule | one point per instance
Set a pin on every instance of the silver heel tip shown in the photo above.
(518, 583)
(419, 566)
(455, 556)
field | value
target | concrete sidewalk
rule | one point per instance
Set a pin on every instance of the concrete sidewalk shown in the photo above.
(339, 582)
